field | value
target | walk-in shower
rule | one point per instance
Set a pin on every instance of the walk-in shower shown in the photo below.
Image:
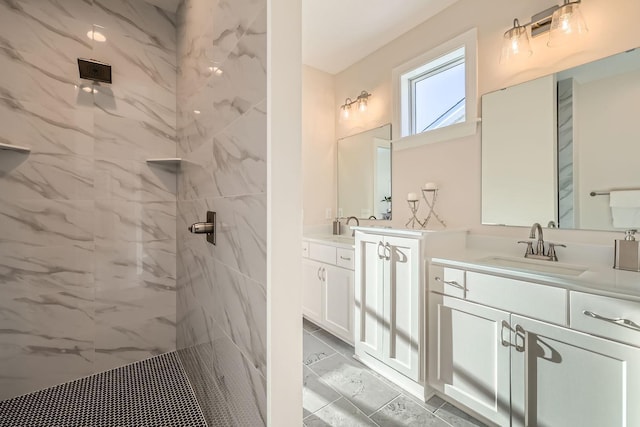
(121, 123)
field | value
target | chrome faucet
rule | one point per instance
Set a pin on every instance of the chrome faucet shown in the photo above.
(539, 252)
(532, 235)
(353, 233)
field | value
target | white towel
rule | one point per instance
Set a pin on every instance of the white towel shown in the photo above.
(625, 208)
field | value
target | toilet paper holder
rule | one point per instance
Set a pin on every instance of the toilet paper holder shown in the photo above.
(208, 228)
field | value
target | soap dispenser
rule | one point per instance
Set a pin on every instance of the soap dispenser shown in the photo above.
(337, 227)
(627, 252)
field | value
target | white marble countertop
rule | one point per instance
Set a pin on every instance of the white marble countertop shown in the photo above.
(406, 232)
(338, 240)
(600, 280)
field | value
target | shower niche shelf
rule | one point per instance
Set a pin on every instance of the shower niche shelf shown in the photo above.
(166, 161)
(16, 148)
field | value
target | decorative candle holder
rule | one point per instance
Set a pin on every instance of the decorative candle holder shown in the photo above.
(413, 207)
(430, 191)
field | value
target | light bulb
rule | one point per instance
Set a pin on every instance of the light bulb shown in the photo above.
(566, 23)
(516, 43)
(345, 111)
(362, 105)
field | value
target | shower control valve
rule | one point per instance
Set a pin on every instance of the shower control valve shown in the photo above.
(208, 227)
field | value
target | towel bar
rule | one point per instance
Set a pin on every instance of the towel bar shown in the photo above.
(606, 193)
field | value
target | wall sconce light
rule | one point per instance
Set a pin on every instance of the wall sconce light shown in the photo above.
(516, 43)
(361, 100)
(563, 23)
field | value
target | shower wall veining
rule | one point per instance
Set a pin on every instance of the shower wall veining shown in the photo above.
(221, 136)
(87, 227)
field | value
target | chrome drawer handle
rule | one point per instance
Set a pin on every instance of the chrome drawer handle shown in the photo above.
(451, 283)
(618, 321)
(345, 258)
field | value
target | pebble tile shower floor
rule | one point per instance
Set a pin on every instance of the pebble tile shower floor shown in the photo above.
(154, 392)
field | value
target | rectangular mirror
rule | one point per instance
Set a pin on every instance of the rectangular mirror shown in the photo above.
(554, 148)
(364, 174)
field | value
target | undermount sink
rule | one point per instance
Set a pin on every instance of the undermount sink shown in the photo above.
(548, 267)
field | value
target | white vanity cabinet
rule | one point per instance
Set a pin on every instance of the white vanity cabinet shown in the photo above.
(471, 357)
(389, 271)
(327, 281)
(390, 299)
(563, 377)
(506, 349)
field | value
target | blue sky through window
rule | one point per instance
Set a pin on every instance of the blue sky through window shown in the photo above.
(439, 99)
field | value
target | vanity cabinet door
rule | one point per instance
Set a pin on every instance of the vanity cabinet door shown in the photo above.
(312, 278)
(338, 302)
(369, 294)
(389, 305)
(562, 377)
(402, 312)
(472, 357)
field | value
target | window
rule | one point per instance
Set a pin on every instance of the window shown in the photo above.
(435, 95)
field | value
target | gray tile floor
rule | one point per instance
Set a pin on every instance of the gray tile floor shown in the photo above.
(341, 392)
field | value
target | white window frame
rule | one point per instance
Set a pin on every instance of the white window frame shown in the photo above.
(401, 75)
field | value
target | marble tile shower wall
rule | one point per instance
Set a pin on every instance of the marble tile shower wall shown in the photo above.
(566, 211)
(221, 129)
(87, 228)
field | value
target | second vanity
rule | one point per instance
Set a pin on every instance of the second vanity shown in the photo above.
(370, 292)
(327, 269)
(525, 349)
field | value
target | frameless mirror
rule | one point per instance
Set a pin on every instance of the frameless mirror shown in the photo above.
(364, 174)
(555, 147)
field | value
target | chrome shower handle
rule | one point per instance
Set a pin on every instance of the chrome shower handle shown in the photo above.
(201, 228)
(208, 227)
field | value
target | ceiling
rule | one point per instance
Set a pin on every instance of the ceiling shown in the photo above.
(338, 33)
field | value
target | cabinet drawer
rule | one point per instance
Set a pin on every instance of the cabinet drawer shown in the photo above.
(345, 258)
(323, 253)
(449, 281)
(530, 299)
(305, 249)
(601, 315)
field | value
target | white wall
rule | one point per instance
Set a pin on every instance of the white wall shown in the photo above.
(319, 145)
(455, 165)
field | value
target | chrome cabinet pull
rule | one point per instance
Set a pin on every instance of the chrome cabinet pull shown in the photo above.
(380, 245)
(387, 247)
(322, 274)
(522, 334)
(345, 258)
(615, 320)
(451, 283)
(505, 343)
